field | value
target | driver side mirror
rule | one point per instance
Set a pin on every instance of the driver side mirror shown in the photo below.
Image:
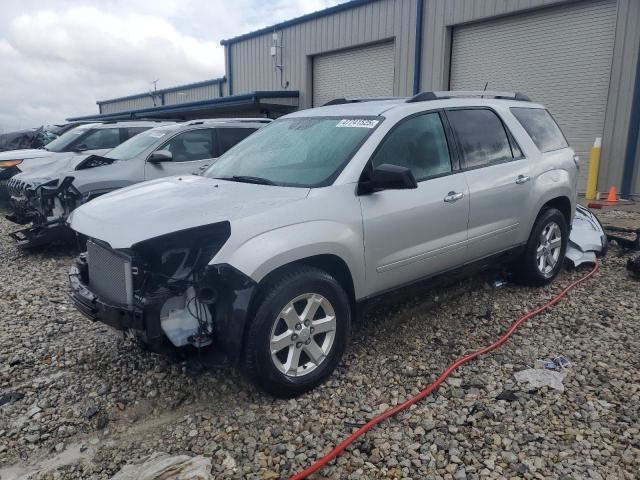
(160, 156)
(389, 177)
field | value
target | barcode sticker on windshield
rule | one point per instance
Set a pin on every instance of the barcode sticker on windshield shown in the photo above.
(357, 123)
(157, 135)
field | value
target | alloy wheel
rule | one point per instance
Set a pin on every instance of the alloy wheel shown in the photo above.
(548, 249)
(303, 334)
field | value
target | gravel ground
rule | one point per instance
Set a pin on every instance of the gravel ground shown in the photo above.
(81, 402)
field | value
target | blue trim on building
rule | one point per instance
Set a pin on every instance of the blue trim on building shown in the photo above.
(631, 154)
(417, 63)
(295, 21)
(245, 99)
(162, 91)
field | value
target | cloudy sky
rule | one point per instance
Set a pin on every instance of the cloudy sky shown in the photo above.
(57, 57)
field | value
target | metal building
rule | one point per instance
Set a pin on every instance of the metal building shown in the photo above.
(578, 57)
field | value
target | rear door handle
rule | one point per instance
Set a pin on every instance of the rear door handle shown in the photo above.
(522, 179)
(453, 197)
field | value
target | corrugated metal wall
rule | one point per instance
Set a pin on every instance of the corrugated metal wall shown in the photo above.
(167, 96)
(205, 92)
(441, 15)
(143, 101)
(340, 74)
(254, 67)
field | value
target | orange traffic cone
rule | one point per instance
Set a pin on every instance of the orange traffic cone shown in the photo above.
(613, 195)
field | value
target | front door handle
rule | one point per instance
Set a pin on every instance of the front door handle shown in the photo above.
(453, 197)
(522, 179)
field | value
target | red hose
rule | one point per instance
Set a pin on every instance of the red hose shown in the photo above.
(432, 387)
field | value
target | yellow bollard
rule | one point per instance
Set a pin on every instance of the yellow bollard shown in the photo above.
(594, 166)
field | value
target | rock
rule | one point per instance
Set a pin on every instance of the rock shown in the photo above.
(163, 466)
(508, 396)
(460, 474)
(229, 463)
(91, 412)
(10, 397)
(375, 456)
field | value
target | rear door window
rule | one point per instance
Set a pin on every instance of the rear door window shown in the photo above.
(229, 137)
(481, 136)
(418, 144)
(541, 127)
(191, 145)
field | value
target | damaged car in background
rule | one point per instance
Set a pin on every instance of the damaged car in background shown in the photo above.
(46, 196)
(34, 138)
(72, 144)
(266, 256)
(31, 138)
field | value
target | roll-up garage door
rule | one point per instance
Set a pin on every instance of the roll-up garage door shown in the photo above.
(358, 72)
(559, 56)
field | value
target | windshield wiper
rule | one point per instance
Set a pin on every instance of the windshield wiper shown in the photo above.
(249, 179)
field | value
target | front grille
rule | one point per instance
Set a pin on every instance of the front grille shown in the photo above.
(16, 187)
(109, 274)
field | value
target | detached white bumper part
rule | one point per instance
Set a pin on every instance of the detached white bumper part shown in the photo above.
(587, 238)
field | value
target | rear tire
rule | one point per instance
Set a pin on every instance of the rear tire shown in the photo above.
(299, 332)
(544, 254)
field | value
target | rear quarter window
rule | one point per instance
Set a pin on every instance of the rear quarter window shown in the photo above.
(481, 136)
(541, 127)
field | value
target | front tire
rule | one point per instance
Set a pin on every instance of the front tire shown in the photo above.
(544, 254)
(299, 332)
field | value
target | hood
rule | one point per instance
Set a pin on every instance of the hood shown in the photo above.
(171, 204)
(54, 163)
(24, 154)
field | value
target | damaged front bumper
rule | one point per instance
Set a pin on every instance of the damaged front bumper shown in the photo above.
(42, 234)
(46, 207)
(154, 317)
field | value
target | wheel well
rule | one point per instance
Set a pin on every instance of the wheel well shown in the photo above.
(560, 203)
(337, 268)
(332, 264)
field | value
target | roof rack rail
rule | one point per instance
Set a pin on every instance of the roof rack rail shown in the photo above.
(225, 120)
(444, 94)
(342, 101)
(139, 119)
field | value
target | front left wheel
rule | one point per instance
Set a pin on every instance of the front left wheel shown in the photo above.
(299, 332)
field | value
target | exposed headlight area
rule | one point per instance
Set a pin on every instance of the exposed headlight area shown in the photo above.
(177, 259)
(171, 281)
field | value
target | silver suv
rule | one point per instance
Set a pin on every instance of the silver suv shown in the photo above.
(268, 254)
(45, 196)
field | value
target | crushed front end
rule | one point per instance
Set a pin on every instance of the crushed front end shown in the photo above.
(164, 290)
(45, 204)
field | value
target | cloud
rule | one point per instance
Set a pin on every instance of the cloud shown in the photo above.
(58, 57)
